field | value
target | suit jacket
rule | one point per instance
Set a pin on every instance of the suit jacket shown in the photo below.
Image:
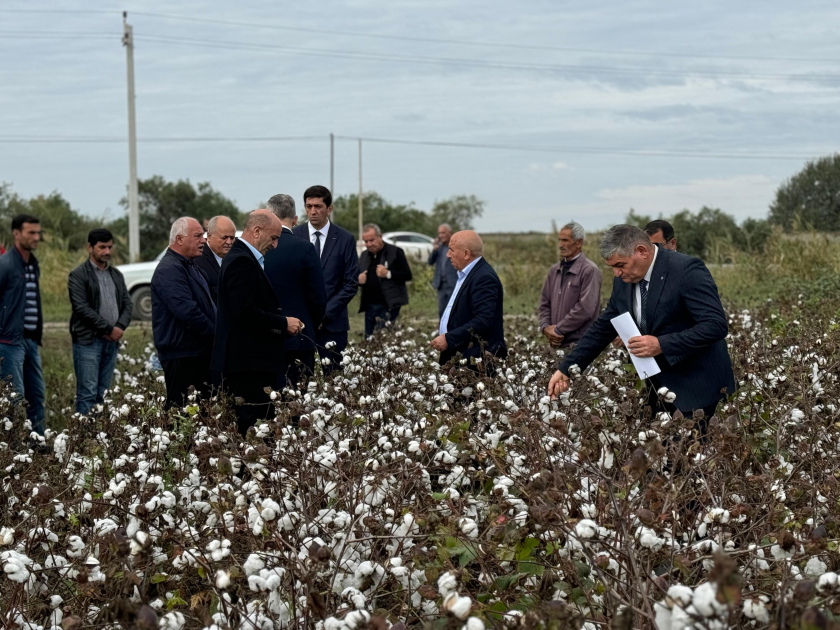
(294, 271)
(341, 274)
(393, 290)
(476, 321)
(208, 265)
(445, 274)
(684, 312)
(250, 325)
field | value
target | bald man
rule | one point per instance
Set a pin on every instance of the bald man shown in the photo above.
(220, 235)
(250, 327)
(472, 321)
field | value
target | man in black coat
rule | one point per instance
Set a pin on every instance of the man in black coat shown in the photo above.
(220, 235)
(472, 322)
(183, 313)
(384, 274)
(295, 274)
(675, 304)
(101, 313)
(336, 248)
(250, 326)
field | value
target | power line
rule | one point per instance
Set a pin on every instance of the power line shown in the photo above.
(30, 139)
(479, 63)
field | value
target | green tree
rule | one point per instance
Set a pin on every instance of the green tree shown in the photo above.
(458, 211)
(375, 209)
(811, 198)
(161, 202)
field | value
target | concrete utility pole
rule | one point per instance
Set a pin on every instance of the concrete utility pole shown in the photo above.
(133, 195)
(360, 189)
(332, 164)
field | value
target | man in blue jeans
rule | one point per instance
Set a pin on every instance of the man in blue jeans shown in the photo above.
(21, 321)
(101, 313)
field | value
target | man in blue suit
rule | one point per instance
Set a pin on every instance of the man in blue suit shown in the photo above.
(336, 248)
(472, 323)
(675, 303)
(295, 274)
(445, 275)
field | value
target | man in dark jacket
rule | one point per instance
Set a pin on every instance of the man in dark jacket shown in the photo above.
(183, 313)
(675, 304)
(384, 274)
(295, 274)
(336, 248)
(220, 235)
(21, 320)
(472, 323)
(101, 313)
(445, 277)
(251, 327)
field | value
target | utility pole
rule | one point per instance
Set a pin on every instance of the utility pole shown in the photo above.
(133, 195)
(332, 164)
(360, 189)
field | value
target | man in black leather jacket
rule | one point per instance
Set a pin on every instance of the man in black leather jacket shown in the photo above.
(101, 313)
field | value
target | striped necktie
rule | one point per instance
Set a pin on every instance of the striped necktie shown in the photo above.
(643, 286)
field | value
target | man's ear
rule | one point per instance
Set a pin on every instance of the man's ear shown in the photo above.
(294, 221)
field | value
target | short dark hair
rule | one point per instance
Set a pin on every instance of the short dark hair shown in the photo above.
(660, 224)
(19, 220)
(99, 235)
(318, 192)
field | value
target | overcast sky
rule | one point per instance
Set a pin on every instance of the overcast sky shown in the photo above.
(757, 79)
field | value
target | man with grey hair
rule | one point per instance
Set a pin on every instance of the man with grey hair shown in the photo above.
(183, 313)
(446, 277)
(384, 274)
(283, 207)
(220, 235)
(571, 294)
(675, 304)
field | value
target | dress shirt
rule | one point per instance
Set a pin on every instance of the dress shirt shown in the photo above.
(260, 258)
(108, 307)
(462, 275)
(216, 256)
(637, 293)
(324, 231)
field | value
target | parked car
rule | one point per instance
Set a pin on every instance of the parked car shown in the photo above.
(415, 245)
(138, 279)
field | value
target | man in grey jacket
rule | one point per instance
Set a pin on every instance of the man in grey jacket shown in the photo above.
(445, 275)
(571, 294)
(101, 313)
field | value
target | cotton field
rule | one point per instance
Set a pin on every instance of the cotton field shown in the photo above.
(403, 494)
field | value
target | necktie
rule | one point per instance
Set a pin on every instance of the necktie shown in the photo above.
(643, 285)
(318, 242)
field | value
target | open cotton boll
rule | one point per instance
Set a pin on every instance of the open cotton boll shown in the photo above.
(756, 609)
(253, 564)
(447, 583)
(457, 605)
(705, 600)
(222, 579)
(815, 567)
(586, 528)
(474, 623)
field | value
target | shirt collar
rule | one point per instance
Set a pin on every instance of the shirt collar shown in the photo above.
(260, 258)
(573, 259)
(95, 268)
(217, 257)
(466, 270)
(652, 263)
(324, 230)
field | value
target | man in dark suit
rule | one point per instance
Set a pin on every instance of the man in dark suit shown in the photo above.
(250, 326)
(220, 235)
(295, 273)
(445, 277)
(676, 306)
(384, 274)
(336, 248)
(472, 322)
(662, 233)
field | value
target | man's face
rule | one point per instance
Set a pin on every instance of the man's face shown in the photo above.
(373, 241)
(569, 247)
(28, 236)
(267, 237)
(458, 254)
(658, 238)
(192, 244)
(101, 252)
(632, 268)
(444, 235)
(317, 212)
(221, 240)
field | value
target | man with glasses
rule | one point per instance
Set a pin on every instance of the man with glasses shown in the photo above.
(221, 233)
(662, 233)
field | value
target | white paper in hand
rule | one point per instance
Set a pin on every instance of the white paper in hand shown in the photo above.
(626, 328)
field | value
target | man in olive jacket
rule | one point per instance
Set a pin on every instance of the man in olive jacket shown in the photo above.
(101, 313)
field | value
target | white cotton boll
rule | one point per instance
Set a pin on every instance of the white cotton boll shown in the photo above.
(469, 527)
(7, 536)
(586, 528)
(474, 623)
(827, 582)
(705, 600)
(755, 609)
(457, 605)
(670, 397)
(780, 554)
(815, 567)
(662, 391)
(447, 583)
(679, 595)
(222, 579)
(172, 621)
(663, 616)
(253, 564)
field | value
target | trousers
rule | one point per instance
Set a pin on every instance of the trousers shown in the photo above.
(94, 366)
(21, 363)
(297, 367)
(179, 374)
(377, 316)
(255, 403)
